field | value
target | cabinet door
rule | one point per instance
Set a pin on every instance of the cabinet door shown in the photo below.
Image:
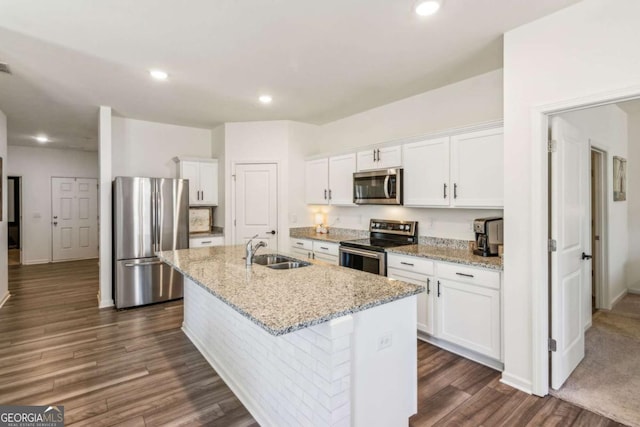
(367, 160)
(331, 259)
(209, 183)
(426, 173)
(389, 157)
(316, 182)
(477, 169)
(469, 316)
(425, 300)
(341, 169)
(190, 170)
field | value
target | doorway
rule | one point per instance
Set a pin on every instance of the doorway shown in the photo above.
(256, 203)
(14, 219)
(598, 226)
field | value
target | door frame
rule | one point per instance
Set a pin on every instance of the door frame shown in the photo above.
(20, 222)
(602, 257)
(232, 200)
(540, 115)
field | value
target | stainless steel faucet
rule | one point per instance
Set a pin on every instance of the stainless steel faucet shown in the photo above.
(250, 250)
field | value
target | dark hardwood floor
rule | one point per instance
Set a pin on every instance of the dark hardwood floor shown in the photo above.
(136, 367)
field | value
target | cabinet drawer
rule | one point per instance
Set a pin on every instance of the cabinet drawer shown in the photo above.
(331, 259)
(326, 248)
(302, 244)
(202, 242)
(410, 263)
(464, 274)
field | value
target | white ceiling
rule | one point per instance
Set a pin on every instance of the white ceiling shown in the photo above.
(321, 60)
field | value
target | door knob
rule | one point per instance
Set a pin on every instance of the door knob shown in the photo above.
(585, 256)
(271, 232)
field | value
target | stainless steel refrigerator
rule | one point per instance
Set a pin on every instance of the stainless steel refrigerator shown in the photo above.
(149, 215)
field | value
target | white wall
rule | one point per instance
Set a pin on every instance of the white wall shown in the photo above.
(218, 152)
(141, 148)
(4, 284)
(472, 101)
(105, 296)
(586, 49)
(606, 127)
(633, 201)
(36, 166)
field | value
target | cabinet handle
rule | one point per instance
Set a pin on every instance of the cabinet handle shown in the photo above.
(325, 194)
(455, 191)
(299, 243)
(378, 151)
(406, 263)
(329, 194)
(444, 190)
(428, 286)
(374, 156)
(205, 242)
(322, 247)
(464, 274)
(313, 255)
(438, 288)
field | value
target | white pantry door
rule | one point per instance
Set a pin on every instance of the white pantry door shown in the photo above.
(570, 271)
(256, 199)
(74, 218)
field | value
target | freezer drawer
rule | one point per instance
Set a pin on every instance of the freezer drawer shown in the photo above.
(145, 281)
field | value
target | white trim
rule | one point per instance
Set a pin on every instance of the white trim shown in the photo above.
(254, 409)
(5, 299)
(516, 382)
(618, 298)
(634, 291)
(539, 224)
(74, 259)
(461, 351)
(107, 303)
(36, 261)
(602, 296)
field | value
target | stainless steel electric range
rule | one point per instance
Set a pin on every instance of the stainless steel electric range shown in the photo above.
(370, 254)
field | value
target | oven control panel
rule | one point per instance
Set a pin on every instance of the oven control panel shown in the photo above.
(406, 228)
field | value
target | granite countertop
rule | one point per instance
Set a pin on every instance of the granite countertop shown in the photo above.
(456, 255)
(336, 235)
(283, 301)
(215, 232)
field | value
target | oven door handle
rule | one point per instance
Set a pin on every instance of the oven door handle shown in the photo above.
(367, 254)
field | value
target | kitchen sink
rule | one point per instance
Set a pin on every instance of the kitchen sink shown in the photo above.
(279, 262)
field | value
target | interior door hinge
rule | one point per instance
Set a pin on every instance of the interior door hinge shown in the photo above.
(553, 345)
(552, 145)
(234, 222)
(553, 246)
(233, 176)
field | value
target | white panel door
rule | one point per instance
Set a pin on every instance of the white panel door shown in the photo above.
(426, 173)
(316, 181)
(477, 169)
(256, 203)
(208, 178)
(190, 170)
(74, 218)
(425, 301)
(570, 273)
(341, 169)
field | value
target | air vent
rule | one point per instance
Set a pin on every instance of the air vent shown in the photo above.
(4, 68)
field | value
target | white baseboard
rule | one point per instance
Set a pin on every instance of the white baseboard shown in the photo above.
(239, 391)
(105, 303)
(36, 261)
(4, 299)
(461, 351)
(618, 298)
(634, 291)
(516, 382)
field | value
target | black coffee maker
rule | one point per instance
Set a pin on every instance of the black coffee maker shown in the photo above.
(488, 235)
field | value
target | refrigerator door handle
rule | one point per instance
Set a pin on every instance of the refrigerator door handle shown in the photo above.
(157, 220)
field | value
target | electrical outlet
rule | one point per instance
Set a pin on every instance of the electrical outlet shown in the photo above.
(385, 341)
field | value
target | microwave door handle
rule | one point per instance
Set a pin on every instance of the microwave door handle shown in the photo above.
(386, 186)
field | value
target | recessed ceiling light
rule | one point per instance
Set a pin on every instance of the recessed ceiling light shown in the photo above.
(159, 74)
(265, 99)
(429, 7)
(42, 139)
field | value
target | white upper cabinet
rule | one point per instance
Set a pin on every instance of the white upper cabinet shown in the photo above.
(380, 158)
(203, 180)
(341, 169)
(426, 173)
(316, 182)
(477, 169)
(330, 180)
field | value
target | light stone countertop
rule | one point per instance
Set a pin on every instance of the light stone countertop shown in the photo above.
(440, 253)
(334, 235)
(283, 301)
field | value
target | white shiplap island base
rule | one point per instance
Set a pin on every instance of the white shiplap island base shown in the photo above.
(357, 367)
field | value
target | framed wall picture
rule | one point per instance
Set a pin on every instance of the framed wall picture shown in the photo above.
(619, 179)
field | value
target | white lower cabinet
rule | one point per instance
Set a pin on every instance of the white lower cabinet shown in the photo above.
(461, 304)
(203, 242)
(313, 249)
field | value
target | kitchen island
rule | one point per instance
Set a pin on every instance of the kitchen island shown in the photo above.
(316, 345)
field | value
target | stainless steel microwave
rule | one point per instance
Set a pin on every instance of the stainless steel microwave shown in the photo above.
(378, 187)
